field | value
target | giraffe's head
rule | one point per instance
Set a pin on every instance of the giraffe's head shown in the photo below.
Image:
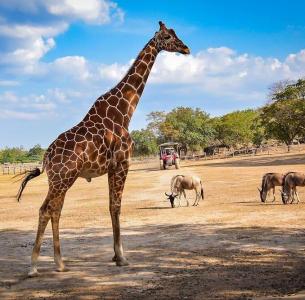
(166, 39)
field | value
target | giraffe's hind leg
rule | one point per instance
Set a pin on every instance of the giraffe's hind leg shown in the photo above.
(51, 209)
(44, 218)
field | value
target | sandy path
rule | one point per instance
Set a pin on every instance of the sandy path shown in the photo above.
(230, 247)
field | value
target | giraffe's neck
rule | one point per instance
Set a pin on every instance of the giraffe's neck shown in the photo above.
(126, 94)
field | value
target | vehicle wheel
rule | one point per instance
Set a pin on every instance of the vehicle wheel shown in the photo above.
(161, 164)
(177, 163)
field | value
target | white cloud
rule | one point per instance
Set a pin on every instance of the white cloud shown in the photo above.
(91, 11)
(29, 54)
(219, 71)
(12, 114)
(29, 107)
(72, 66)
(8, 83)
(114, 71)
(24, 44)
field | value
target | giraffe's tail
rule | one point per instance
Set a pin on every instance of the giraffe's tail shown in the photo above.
(29, 175)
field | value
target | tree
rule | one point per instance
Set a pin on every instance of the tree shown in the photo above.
(155, 119)
(284, 117)
(36, 153)
(239, 128)
(190, 127)
(145, 142)
(13, 155)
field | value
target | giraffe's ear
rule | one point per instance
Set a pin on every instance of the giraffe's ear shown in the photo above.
(162, 25)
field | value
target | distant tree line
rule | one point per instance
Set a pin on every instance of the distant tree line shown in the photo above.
(20, 155)
(281, 119)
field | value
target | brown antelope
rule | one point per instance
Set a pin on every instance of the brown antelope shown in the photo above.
(270, 181)
(180, 183)
(291, 181)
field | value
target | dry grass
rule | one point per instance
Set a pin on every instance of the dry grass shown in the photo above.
(231, 246)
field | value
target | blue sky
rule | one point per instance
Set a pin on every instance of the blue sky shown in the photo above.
(58, 56)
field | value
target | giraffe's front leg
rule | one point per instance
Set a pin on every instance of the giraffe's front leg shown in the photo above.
(116, 180)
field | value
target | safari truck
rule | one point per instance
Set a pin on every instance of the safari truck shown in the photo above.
(169, 154)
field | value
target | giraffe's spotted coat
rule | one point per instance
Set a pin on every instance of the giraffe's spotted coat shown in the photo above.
(100, 144)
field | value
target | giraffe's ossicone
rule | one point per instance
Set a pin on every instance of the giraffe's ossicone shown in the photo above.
(99, 144)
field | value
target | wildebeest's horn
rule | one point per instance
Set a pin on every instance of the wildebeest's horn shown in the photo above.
(166, 195)
(259, 189)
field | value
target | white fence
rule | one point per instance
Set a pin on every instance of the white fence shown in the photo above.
(14, 169)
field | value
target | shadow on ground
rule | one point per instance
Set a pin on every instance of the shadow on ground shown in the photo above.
(167, 262)
(297, 159)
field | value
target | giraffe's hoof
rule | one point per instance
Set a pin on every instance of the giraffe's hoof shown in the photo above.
(61, 268)
(121, 262)
(33, 273)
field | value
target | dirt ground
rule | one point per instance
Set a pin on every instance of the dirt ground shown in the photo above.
(229, 247)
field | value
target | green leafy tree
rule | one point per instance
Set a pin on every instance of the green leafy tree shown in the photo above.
(13, 155)
(239, 128)
(190, 127)
(36, 153)
(284, 120)
(155, 119)
(145, 142)
(284, 116)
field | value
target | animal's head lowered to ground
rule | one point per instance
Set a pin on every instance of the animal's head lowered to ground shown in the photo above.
(262, 195)
(166, 39)
(171, 198)
(285, 197)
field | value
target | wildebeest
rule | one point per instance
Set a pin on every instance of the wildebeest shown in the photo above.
(180, 183)
(270, 181)
(291, 181)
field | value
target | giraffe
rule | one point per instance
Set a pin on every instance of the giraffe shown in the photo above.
(99, 144)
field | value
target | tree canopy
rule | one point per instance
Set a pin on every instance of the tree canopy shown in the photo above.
(284, 117)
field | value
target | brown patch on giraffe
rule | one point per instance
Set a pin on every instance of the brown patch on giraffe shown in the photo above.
(97, 140)
(79, 148)
(128, 91)
(101, 107)
(79, 138)
(118, 129)
(70, 136)
(147, 58)
(113, 100)
(101, 160)
(94, 130)
(93, 155)
(108, 124)
(71, 164)
(115, 115)
(135, 80)
(123, 106)
(56, 159)
(89, 124)
(88, 136)
(70, 145)
(82, 131)
(96, 118)
(141, 68)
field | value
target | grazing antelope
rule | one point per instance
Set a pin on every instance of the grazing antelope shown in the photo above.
(291, 181)
(180, 183)
(270, 181)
